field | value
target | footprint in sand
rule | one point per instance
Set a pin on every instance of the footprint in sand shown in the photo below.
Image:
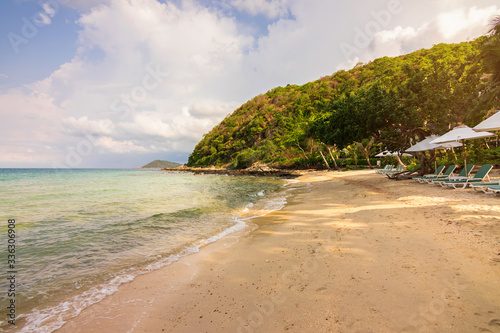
(494, 322)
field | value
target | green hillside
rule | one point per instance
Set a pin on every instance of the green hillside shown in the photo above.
(396, 101)
(160, 164)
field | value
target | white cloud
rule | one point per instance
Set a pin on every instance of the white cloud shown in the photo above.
(125, 100)
(211, 108)
(449, 27)
(51, 11)
(83, 125)
(29, 124)
(465, 22)
(126, 146)
(4, 76)
(42, 18)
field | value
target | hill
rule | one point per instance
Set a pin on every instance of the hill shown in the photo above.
(395, 101)
(160, 164)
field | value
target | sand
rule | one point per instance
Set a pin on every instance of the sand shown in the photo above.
(350, 252)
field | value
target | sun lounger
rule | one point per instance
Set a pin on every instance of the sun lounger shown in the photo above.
(445, 176)
(464, 173)
(386, 168)
(480, 175)
(493, 189)
(484, 186)
(399, 168)
(438, 172)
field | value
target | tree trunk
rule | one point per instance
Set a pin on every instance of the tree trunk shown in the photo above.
(368, 160)
(333, 158)
(324, 159)
(303, 152)
(399, 160)
(426, 164)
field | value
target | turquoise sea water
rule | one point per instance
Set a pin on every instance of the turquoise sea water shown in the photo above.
(80, 233)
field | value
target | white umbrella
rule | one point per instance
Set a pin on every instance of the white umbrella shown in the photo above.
(383, 154)
(490, 124)
(461, 133)
(399, 153)
(427, 145)
(390, 153)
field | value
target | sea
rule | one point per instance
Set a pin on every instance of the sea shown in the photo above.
(78, 234)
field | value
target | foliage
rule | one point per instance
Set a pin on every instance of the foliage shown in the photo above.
(160, 164)
(397, 101)
(490, 54)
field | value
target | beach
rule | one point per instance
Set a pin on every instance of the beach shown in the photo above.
(350, 252)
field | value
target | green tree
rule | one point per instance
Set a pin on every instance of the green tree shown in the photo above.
(490, 53)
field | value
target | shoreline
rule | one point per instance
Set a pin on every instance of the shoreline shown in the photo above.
(49, 317)
(350, 252)
(254, 171)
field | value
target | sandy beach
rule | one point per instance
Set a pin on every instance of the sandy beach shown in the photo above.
(350, 252)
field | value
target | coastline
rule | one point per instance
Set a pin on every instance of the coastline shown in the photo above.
(262, 171)
(351, 251)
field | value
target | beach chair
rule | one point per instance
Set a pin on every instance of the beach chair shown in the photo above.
(445, 176)
(484, 186)
(493, 189)
(389, 169)
(464, 173)
(480, 175)
(399, 168)
(439, 171)
(386, 168)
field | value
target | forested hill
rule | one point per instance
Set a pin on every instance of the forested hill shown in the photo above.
(160, 164)
(395, 101)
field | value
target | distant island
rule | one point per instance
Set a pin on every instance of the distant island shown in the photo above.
(160, 164)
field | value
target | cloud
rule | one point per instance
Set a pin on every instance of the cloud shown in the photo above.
(49, 10)
(465, 22)
(126, 146)
(29, 132)
(42, 18)
(449, 27)
(152, 88)
(211, 108)
(4, 76)
(83, 125)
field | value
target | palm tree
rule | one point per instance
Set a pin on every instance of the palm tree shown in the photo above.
(366, 149)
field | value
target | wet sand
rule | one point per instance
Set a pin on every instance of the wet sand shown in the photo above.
(350, 252)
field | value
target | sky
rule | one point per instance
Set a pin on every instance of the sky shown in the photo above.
(119, 83)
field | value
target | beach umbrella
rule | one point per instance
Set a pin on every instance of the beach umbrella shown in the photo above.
(427, 145)
(490, 124)
(400, 154)
(461, 133)
(391, 153)
(383, 154)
